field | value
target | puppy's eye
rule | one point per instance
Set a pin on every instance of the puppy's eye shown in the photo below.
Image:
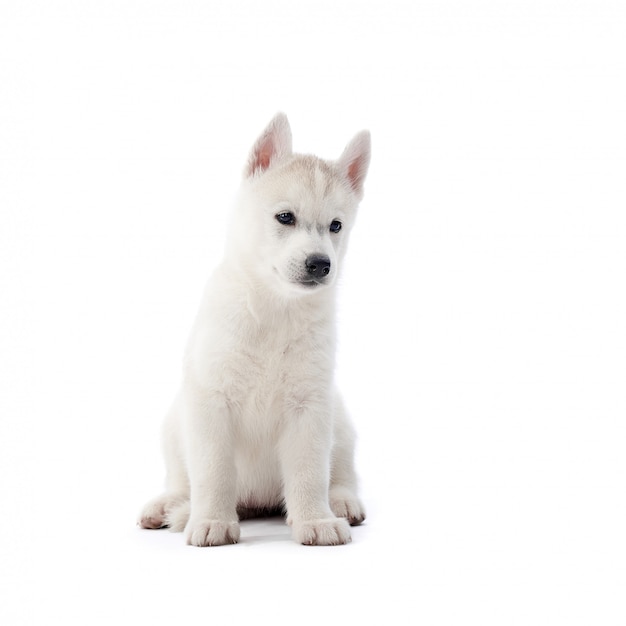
(286, 218)
(335, 226)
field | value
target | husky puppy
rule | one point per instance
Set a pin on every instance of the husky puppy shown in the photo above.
(258, 425)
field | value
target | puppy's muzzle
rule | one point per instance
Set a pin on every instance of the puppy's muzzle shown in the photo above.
(317, 267)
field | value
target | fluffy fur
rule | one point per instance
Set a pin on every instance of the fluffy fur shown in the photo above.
(258, 425)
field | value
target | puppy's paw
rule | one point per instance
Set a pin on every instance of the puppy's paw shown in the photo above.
(322, 532)
(212, 532)
(154, 514)
(157, 512)
(343, 503)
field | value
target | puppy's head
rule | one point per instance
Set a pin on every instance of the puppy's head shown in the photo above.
(296, 211)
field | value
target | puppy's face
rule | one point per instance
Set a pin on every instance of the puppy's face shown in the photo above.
(295, 212)
(307, 212)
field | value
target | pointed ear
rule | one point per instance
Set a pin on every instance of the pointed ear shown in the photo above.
(273, 145)
(354, 161)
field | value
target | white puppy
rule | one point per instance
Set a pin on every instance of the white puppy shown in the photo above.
(258, 425)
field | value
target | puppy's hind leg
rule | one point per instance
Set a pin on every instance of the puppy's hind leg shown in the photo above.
(342, 494)
(168, 509)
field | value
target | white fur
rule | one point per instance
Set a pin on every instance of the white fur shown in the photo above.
(258, 423)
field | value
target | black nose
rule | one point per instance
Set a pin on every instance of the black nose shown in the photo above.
(318, 266)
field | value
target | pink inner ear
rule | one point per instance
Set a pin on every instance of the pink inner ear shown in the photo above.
(354, 173)
(263, 158)
(264, 155)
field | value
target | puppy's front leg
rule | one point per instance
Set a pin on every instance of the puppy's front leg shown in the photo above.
(305, 458)
(212, 474)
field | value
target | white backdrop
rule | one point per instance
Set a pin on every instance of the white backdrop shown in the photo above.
(482, 311)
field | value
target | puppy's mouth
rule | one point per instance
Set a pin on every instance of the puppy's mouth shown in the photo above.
(310, 284)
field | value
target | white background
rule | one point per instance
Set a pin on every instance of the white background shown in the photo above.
(483, 304)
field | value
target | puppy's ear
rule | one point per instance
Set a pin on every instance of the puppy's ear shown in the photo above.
(355, 160)
(273, 145)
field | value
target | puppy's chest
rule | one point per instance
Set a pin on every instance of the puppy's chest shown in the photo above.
(273, 371)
